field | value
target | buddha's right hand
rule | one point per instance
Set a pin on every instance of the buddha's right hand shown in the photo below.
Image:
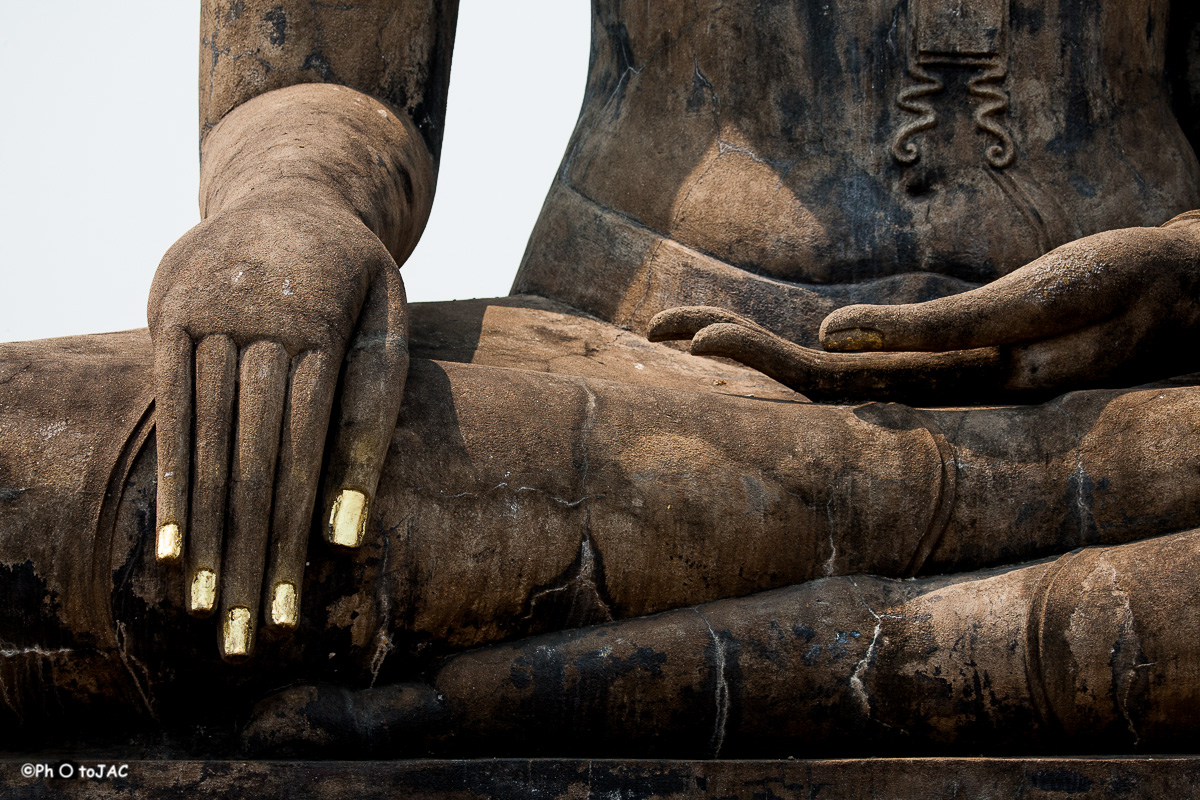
(1112, 309)
(1108, 310)
(285, 298)
(917, 378)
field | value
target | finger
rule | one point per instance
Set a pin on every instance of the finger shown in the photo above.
(305, 420)
(919, 378)
(372, 388)
(1060, 292)
(216, 373)
(172, 433)
(262, 382)
(684, 322)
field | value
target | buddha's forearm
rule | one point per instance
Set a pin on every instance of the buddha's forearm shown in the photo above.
(398, 52)
(358, 123)
(324, 145)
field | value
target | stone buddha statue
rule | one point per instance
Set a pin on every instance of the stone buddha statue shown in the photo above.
(550, 535)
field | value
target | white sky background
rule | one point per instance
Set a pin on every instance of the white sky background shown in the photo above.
(98, 152)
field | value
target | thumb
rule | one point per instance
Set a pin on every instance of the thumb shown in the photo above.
(373, 375)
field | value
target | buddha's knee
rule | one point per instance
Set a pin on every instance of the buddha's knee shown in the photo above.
(1114, 639)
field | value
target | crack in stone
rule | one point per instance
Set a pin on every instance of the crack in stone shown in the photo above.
(12, 652)
(585, 605)
(129, 661)
(8, 701)
(1127, 638)
(722, 691)
(856, 682)
(830, 565)
(383, 605)
(1080, 476)
(562, 501)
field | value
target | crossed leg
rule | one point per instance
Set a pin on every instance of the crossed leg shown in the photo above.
(518, 503)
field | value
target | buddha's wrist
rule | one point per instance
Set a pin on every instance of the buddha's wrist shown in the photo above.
(325, 146)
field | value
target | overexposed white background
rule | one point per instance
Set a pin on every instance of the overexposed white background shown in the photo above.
(99, 169)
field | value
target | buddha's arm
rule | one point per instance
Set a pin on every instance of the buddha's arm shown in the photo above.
(321, 126)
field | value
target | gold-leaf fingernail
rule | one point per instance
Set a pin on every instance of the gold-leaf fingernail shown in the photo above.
(854, 339)
(236, 632)
(204, 591)
(283, 606)
(169, 544)
(348, 519)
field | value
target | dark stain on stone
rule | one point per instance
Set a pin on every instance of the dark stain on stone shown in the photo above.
(1183, 61)
(922, 182)
(1123, 784)
(702, 92)
(1029, 511)
(821, 19)
(278, 22)
(1079, 119)
(1082, 186)
(9, 494)
(804, 632)
(1027, 18)
(29, 606)
(794, 107)
(520, 674)
(646, 659)
(613, 780)
(317, 62)
(1065, 781)
(623, 60)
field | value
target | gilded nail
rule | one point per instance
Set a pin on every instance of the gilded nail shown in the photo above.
(854, 339)
(283, 606)
(204, 591)
(237, 632)
(348, 519)
(169, 545)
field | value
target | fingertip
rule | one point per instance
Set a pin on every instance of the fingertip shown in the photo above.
(202, 595)
(661, 328)
(236, 634)
(852, 329)
(852, 340)
(720, 339)
(347, 519)
(684, 322)
(285, 613)
(168, 544)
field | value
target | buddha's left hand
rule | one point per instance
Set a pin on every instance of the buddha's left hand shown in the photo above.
(280, 336)
(1112, 309)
